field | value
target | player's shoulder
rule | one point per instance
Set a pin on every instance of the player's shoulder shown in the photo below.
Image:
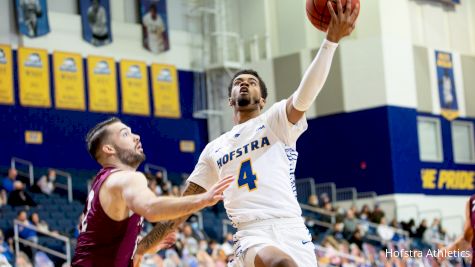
(123, 178)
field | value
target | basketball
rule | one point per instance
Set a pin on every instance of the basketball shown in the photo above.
(318, 13)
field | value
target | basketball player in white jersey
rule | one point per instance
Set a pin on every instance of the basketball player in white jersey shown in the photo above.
(260, 152)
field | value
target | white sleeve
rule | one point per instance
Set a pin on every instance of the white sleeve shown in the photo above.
(204, 174)
(276, 118)
(314, 77)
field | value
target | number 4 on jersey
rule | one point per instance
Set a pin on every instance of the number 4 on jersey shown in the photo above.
(246, 176)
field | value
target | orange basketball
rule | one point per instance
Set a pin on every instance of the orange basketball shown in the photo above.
(318, 13)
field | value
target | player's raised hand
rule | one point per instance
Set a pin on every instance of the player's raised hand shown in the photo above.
(343, 23)
(215, 194)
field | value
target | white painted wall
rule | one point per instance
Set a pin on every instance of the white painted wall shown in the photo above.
(435, 25)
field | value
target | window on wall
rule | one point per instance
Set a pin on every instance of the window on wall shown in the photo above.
(430, 139)
(462, 142)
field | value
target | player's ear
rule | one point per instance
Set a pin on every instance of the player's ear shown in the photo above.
(108, 149)
(231, 101)
(262, 102)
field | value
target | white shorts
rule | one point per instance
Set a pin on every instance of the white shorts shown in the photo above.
(288, 234)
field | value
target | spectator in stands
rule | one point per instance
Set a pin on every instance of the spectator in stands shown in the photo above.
(350, 223)
(385, 232)
(377, 214)
(421, 229)
(8, 181)
(40, 224)
(6, 249)
(46, 182)
(3, 197)
(152, 184)
(364, 213)
(19, 197)
(190, 242)
(432, 234)
(176, 191)
(324, 199)
(26, 232)
(409, 227)
(337, 231)
(357, 238)
(313, 201)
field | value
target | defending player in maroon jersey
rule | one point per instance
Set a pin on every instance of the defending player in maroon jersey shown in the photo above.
(119, 199)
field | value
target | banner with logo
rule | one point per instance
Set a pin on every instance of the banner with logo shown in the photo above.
(68, 81)
(96, 21)
(102, 84)
(446, 85)
(166, 95)
(154, 25)
(6, 72)
(33, 72)
(134, 81)
(32, 17)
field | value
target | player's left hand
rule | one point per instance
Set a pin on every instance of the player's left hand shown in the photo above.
(343, 23)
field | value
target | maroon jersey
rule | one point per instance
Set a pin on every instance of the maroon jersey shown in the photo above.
(103, 241)
(472, 223)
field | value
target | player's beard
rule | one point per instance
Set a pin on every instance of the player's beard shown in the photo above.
(245, 100)
(130, 157)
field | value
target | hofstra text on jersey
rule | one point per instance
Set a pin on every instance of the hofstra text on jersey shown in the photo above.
(256, 144)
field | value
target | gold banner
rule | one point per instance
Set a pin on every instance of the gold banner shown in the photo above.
(166, 96)
(134, 81)
(68, 81)
(102, 84)
(6, 72)
(34, 77)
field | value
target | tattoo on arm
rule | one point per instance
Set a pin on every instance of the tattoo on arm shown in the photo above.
(162, 229)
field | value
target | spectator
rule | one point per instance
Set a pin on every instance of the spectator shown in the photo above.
(46, 182)
(421, 229)
(189, 241)
(19, 197)
(337, 231)
(40, 224)
(6, 249)
(8, 181)
(357, 238)
(313, 201)
(385, 232)
(176, 191)
(324, 199)
(364, 213)
(409, 227)
(377, 214)
(26, 233)
(350, 223)
(152, 184)
(3, 197)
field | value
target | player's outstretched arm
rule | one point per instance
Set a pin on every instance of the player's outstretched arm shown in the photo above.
(150, 242)
(463, 241)
(341, 25)
(140, 199)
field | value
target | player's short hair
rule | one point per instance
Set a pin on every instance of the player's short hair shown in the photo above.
(96, 136)
(253, 73)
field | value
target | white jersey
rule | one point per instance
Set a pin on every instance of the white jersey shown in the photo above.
(261, 155)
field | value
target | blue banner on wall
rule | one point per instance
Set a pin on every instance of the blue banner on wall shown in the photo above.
(154, 25)
(96, 21)
(446, 85)
(32, 17)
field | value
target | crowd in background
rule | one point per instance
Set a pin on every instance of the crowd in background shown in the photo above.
(344, 237)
